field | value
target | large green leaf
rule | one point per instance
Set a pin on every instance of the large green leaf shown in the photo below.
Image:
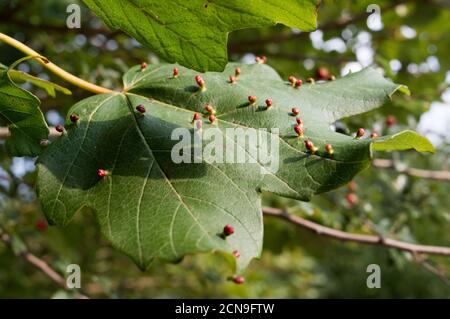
(152, 207)
(20, 109)
(194, 33)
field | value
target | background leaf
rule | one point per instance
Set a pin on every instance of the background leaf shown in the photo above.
(20, 109)
(403, 141)
(194, 33)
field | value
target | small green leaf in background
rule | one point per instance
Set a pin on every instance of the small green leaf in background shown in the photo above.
(194, 33)
(50, 87)
(151, 207)
(20, 109)
(403, 141)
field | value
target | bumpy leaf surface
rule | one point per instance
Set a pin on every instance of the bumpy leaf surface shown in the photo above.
(194, 33)
(151, 207)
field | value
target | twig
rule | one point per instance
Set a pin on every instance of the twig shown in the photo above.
(53, 67)
(422, 260)
(426, 264)
(42, 266)
(359, 238)
(437, 175)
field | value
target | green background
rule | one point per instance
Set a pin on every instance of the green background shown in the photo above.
(295, 263)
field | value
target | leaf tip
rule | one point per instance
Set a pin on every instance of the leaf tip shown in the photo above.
(403, 141)
(404, 89)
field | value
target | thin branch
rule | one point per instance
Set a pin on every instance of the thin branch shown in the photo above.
(416, 172)
(422, 260)
(359, 238)
(428, 266)
(54, 68)
(42, 266)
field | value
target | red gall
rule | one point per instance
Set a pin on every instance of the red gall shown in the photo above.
(212, 118)
(323, 73)
(196, 117)
(59, 128)
(176, 72)
(140, 108)
(310, 146)
(41, 225)
(298, 129)
(228, 230)
(239, 280)
(269, 102)
(143, 66)
(374, 135)
(232, 79)
(252, 99)
(236, 253)
(351, 198)
(390, 120)
(74, 118)
(261, 59)
(209, 109)
(237, 72)
(292, 80)
(299, 121)
(102, 172)
(360, 132)
(295, 111)
(329, 149)
(200, 82)
(352, 186)
(298, 83)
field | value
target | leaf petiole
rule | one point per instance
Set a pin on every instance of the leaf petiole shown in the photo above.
(52, 67)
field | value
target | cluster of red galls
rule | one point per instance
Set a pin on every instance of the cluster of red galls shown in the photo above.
(228, 230)
(322, 74)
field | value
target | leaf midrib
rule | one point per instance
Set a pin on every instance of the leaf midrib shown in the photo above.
(141, 135)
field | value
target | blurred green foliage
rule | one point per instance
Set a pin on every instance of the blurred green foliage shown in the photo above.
(412, 47)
